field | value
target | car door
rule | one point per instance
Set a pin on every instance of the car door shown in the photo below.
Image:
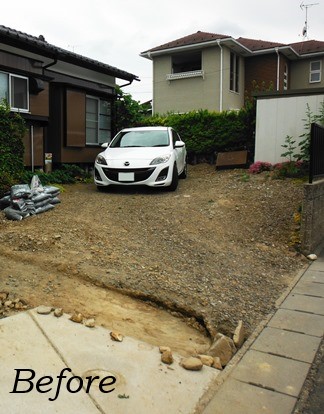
(180, 153)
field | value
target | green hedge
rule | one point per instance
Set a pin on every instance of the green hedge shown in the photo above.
(206, 133)
(12, 131)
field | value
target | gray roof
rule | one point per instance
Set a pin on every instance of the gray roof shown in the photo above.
(39, 46)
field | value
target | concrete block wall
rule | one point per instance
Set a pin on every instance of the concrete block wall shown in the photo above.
(312, 222)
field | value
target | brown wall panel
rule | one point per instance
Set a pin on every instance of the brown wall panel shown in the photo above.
(80, 155)
(39, 104)
(75, 119)
(38, 139)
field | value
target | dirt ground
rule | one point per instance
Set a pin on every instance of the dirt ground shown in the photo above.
(216, 251)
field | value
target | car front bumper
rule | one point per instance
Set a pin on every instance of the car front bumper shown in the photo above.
(153, 176)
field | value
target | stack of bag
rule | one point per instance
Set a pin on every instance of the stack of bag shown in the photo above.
(24, 200)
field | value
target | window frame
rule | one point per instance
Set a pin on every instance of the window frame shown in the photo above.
(234, 79)
(315, 71)
(285, 77)
(98, 101)
(10, 92)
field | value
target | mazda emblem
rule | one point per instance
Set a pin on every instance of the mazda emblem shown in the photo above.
(126, 163)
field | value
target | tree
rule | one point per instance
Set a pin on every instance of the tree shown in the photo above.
(128, 112)
(12, 130)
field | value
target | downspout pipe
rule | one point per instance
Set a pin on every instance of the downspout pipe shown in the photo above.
(50, 64)
(220, 77)
(278, 68)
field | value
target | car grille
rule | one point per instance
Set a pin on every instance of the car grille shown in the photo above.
(140, 174)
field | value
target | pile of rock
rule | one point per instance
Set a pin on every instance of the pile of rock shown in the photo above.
(23, 200)
(9, 304)
(218, 356)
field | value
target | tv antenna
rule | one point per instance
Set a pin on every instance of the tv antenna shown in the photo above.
(306, 7)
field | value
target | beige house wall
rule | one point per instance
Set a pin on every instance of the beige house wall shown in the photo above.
(184, 95)
(299, 75)
(232, 100)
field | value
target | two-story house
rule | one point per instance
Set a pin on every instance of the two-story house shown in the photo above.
(216, 72)
(65, 98)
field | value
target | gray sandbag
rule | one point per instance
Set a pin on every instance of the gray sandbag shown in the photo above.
(41, 197)
(20, 191)
(55, 200)
(50, 189)
(13, 214)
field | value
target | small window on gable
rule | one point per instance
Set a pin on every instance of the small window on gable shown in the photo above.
(315, 71)
(186, 62)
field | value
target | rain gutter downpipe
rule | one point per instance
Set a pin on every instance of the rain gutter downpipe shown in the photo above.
(220, 77)
(278, 67)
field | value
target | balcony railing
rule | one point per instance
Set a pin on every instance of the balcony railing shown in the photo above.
(185, 75)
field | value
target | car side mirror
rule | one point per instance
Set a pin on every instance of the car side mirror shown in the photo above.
(104, 145)
(179, 144)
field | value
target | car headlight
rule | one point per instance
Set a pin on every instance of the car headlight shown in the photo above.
(160, 160)
(101, 160)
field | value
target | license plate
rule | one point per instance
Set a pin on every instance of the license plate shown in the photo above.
(126, 176)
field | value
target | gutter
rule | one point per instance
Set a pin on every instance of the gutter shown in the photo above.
(129, 83)
(220, 78)
(150, 54)
(50, 64)
(278, 68)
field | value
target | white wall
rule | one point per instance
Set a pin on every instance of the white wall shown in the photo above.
(277, 117)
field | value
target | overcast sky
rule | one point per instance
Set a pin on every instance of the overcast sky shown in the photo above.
(116, 32)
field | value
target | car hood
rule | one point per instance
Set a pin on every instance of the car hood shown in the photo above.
(135, 156)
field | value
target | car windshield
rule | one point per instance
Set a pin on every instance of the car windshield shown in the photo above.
(128, 139)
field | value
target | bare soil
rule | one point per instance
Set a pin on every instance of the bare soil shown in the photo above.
(216, 251)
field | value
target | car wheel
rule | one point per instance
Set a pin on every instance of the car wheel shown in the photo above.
(175, 179)
(184, 172)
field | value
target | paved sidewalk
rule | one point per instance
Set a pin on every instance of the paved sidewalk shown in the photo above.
(271, 372)
(265, 376)
(43, 345)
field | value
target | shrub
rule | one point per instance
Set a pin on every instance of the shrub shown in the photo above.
(206, 133)
(290, 169)
(260, 166)
(12, 130)
(66, 174)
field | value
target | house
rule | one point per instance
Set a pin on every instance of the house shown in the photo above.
(216, 72)
(65, 98)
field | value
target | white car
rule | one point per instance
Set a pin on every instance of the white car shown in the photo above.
(152, 156)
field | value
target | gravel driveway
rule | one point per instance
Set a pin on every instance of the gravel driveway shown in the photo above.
(217, 250)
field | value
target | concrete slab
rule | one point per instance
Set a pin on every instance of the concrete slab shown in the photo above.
(23, 346)
(297, 321)
(304, 303)
(318, 264)
(311, 275)
(287, 344)
(144, 384)
(272, 372)
(235, 397)
(309, 288)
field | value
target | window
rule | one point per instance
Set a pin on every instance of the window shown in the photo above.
(98, 120)
(315, 71)
(14, 89)
(285, 79)
(234, 72)
(186, 62)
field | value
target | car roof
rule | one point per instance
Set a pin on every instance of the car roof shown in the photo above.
(148, 128)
